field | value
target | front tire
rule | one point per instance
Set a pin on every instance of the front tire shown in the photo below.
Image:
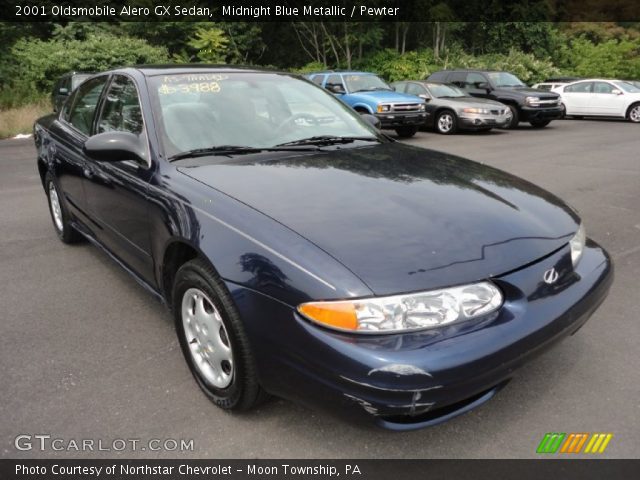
(407, 132)
(633, 115)
(212, 338)
(446, 123)
(515, 118)
(539, 123)
(59, 215)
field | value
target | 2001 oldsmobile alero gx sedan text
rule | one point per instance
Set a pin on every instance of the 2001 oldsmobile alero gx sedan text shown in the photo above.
(307, 255)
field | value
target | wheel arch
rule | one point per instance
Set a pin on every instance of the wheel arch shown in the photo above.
(362, 108)
(42, 170)
(177, 252)
(629, 108)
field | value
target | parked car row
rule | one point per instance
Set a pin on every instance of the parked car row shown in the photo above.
(452, 100)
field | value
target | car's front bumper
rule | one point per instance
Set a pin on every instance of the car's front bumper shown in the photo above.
(540, 113)
(479, 121)
(413, 380)
(394, 120)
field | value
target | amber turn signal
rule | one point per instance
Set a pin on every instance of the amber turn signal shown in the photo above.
(341, 315)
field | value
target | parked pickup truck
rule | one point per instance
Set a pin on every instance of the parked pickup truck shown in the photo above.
(526, 104)
(368, 93)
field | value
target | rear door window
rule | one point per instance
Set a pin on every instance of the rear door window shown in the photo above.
(582, 87)
(458, 79)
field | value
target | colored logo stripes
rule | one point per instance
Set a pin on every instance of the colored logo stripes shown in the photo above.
(574, 442)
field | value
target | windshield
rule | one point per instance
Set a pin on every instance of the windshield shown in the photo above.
(445, 91)
(257, 110)
(365, 83)
(628, 87)
(504, 79)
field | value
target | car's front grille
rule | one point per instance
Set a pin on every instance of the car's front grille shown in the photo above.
(405, 107)
(548, 102)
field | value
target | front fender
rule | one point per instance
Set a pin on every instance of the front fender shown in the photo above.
(365, 106)
(244, 246)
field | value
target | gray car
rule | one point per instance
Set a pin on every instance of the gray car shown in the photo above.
(451, 109)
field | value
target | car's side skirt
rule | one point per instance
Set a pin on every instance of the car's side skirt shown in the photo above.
(147, 286)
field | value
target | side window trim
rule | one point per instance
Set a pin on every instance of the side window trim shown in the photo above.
(100, 106)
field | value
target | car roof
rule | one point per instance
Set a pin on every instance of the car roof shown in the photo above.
(598, 80)
(470, 70)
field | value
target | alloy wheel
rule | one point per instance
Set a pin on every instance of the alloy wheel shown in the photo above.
(207, 338)
(445, 122)
(56, 210)
(634, 114)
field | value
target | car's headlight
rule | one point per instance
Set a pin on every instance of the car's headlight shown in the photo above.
(533, 101)
(401, 313)
(422, 107)
(483, 111)
(577, 245)
(383, 108)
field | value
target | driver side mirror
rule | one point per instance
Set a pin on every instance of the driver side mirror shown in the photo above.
(615, 91)
(337, 89)
(372, 120)
(425, 97)
(63, 91)
(483, 86)
(115, 147)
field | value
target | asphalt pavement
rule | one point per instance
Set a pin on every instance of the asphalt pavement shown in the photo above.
(86, 353)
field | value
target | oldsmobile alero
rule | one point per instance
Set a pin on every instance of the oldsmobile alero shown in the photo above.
(305, 254)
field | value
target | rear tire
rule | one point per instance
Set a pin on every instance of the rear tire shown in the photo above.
(515, 118)
(407, 132)
(633, 114)
(446, 122)
(539, 123)
(59, 214)
(212, 337)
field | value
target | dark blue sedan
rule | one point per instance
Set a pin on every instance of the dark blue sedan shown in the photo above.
(306, 255)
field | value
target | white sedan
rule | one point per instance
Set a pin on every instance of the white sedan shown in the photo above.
(606, 98)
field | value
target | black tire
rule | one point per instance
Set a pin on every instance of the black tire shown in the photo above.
(539, 123)
(244, 391)
(564, 111)
(66, 233)
(446, 122)
(407, 132)
(633, 113)
(515, 118)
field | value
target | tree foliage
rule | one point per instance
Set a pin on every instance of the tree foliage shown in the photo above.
(36, 64)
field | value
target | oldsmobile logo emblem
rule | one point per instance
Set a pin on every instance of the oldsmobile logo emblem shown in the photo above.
(550, 276)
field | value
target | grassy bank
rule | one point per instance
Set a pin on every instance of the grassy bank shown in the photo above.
(20, 119)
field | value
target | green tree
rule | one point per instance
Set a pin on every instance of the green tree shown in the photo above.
(211, 44)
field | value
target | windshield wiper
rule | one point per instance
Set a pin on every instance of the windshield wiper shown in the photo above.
(228, 150)
(327, 140)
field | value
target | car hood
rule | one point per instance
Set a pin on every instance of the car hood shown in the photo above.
(529, 92)
(401, 218)
(470, 102)
(390, 96)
